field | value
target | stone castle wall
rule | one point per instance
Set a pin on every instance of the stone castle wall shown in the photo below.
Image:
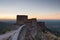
(31, 28)
(21, 19)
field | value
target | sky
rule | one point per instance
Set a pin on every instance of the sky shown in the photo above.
(40, 9)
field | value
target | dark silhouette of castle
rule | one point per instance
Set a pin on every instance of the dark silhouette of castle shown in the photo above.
(32, 29)
(23, 19)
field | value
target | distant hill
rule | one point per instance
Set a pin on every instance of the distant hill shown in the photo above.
(5, 23)
(4, 27)
(8, 21)
(53, 25)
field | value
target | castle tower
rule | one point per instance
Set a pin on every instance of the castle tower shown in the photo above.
(21, 19)
(33, 21)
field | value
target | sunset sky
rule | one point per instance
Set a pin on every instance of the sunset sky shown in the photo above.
(40, 9)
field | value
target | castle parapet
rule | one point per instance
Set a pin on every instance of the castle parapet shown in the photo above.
(33, 21)
(21, 19)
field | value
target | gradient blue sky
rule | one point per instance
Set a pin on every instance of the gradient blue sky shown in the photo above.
(41, 9)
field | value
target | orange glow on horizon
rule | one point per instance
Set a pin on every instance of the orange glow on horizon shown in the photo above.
(48, 17)
(7, 17)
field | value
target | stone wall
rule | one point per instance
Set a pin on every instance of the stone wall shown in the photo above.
(21, 19)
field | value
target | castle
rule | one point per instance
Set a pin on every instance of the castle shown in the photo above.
(33, 30)
(23, 19)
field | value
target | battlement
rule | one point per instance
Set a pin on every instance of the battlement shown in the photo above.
(33, 21)
(21, 19)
